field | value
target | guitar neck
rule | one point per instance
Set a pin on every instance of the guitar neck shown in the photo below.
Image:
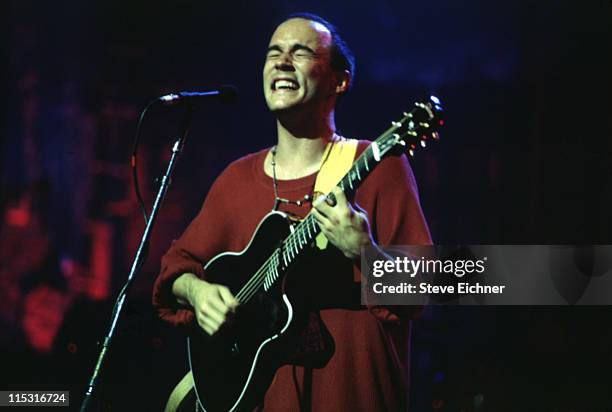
(306, 231)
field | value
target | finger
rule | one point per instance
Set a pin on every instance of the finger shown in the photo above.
(321, 219)
(227, 297)
(218, 302)
(343, 209)
(207, 329)
(327, 205)
(325, 224)
(211, 325)
(361, 217)
(329, 235)
(322, 206)
(214, 302)
(204, 324)
(341, 199)
(333, 218)
(212, 312)
(320, 199)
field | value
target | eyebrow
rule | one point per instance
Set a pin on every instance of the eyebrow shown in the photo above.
(294, 48)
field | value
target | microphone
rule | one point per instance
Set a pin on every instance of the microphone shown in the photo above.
(226, 93)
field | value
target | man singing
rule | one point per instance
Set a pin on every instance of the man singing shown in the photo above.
(307, 67)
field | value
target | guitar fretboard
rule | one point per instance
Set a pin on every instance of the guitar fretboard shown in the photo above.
(306, 231)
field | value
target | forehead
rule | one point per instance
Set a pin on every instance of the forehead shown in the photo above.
(302, 31)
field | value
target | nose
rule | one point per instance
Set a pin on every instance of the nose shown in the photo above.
(284, 63)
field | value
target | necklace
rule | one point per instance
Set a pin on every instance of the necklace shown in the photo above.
(307, 197)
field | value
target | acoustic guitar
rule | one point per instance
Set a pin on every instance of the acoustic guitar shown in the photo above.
(233, 368)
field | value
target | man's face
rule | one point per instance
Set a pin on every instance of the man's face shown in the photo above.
(297, 72)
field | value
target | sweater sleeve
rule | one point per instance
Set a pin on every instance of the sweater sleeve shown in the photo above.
(390, 198)
(204, 238)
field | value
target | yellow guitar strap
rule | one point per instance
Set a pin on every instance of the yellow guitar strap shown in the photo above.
(179, 393)
(336, 162)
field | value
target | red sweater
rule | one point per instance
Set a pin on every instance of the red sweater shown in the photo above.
(369, 368)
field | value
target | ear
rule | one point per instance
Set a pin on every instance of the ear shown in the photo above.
(344, 80)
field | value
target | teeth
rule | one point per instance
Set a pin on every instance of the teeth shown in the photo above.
(285, 84)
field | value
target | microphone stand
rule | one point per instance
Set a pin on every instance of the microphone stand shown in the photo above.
(140, 256)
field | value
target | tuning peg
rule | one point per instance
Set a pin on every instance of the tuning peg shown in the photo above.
(408, 115)
(435, 135)
(423, 143)
(401, 142)
(424, 124)
(396, 124)
(411, 153)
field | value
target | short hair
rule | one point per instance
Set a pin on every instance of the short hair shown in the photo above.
(342, 57)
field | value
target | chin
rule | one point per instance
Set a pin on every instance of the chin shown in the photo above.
(281, 106)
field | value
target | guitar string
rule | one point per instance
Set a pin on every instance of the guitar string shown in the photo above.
(258, 279)
(254, 283)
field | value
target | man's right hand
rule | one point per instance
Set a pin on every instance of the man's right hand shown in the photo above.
(213, 304)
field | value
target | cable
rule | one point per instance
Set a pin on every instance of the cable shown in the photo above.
(134, 161)
(134, 167)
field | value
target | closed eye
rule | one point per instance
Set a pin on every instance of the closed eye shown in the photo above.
(303, 54)
(273, 52)
(297, 51)
(300, 50)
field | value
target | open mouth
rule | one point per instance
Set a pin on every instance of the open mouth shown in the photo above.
(285, 84)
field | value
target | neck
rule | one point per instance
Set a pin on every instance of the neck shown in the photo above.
(302, 143)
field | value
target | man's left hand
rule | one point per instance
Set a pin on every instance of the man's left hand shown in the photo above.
(346, 226)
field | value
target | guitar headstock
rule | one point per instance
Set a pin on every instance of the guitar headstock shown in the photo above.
(415, 128)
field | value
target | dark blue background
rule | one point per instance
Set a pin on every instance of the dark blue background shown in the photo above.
(525, 157)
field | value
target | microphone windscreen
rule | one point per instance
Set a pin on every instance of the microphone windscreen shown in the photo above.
(228, 93)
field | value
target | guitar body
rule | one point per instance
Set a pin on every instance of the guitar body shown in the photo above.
(232, 369)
